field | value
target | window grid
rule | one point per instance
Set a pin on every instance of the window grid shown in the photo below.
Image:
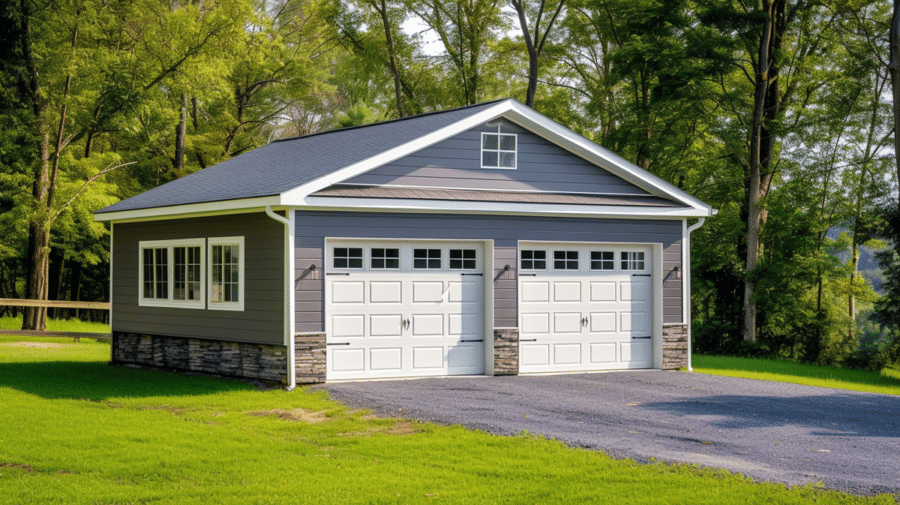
(462, 259)
(565, 260)
(427, 259)
(498, 150)
(348, 257)
(632, 260)
(385, 258)
(156, 273)
(533, 260)
(187, 273)
(603, 260)
(225, 285)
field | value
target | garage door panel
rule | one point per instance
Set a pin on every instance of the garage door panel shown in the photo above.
(386, 325)
(593, 308)
(350, 326)
(348, 292)
(385, 292)
(566, 292)
(427, 325)
(603, 322)
(464, 357)
(428, 358)
(603, 353)
(533, 323)
(567, 322)
(604, 291)
(386, 358)
(385, 318)
(566, 354)
(348, 360)
(428, 291)
(534, 354)
(535, 292)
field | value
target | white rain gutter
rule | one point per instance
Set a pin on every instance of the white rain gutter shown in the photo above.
(686, 285)
(288, 223)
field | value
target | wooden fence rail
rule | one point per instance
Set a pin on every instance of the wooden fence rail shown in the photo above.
(58, 304)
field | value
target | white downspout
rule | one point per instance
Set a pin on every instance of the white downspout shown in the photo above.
(288, 223)
(686, 285)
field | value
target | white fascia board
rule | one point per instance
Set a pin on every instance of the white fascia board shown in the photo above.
(551, 130)
(190, 210)
(495, 208)
(296, 195)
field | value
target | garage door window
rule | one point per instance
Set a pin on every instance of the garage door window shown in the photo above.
(603, 260)
(632, 260)
(385, 258)
(348, 257)
(534, 260)
(427, 259)
(462, 259)
(565, 260)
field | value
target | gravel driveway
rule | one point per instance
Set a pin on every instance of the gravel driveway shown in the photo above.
(768, 430)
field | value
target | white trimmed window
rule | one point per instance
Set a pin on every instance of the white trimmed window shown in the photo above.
(226, 273)
(632, 260)
(498, 150)
(171, 273)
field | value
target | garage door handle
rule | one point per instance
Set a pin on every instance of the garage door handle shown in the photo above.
(635, 338)
(641, 275)
(337, 273)
(584, 321)
(473, 274)
(527, 340)
(480, 340)
(527, 275)
(338, 343)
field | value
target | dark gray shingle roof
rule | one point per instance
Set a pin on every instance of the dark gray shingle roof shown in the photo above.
(286, 164)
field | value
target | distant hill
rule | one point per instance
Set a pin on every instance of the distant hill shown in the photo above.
(868, 266)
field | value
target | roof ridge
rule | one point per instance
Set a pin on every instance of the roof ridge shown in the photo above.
(397, 120)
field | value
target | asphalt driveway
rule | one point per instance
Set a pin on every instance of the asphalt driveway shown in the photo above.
(768, 430)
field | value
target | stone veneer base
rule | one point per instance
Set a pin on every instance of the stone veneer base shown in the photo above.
(675, 346)
(309, 358)
(217, 357)
(506, 351)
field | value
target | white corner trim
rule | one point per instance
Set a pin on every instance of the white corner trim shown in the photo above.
(469, 207)
(686, 283)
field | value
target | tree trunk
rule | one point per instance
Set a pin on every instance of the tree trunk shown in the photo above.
(57, 260)
(75, 283)
(180, 134)
(389, 40)
(894, 67)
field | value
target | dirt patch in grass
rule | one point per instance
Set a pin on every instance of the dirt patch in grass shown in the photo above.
(296, 415)
(401, 428)
(16, 465)
(31, 344)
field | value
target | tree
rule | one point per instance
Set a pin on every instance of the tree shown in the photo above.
(535, 37)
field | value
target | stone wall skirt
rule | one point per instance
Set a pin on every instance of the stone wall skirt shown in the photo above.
(218, 357)
(506, 351)
(675, 346)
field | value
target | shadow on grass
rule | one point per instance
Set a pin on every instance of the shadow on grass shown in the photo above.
(836, 414)
(100, 381)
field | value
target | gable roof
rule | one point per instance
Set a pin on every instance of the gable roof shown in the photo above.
(288, 172)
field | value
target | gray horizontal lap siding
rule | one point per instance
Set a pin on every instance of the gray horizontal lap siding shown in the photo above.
(456, 163)
(261, 321)
(313, 227)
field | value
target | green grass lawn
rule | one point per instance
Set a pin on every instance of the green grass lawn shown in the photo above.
(74, 429)
(15, 323)
(886, 382)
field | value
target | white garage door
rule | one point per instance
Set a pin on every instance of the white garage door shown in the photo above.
(404, 309)
(584, 307)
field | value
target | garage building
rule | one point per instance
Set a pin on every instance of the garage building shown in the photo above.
(484, 240)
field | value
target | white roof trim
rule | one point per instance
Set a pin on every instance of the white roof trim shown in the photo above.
(527, 118)
(226, 206)
(496, 208)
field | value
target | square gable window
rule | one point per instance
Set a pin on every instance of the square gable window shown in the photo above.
(498, 150)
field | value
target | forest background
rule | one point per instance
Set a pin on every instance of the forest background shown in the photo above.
(778, 113)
